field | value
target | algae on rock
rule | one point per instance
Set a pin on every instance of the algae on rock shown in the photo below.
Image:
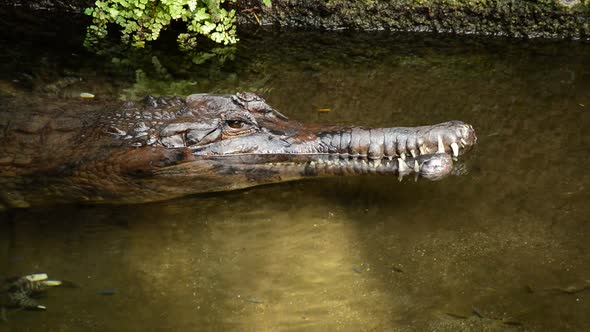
(532, 18)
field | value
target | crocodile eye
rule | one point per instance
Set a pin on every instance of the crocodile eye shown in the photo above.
(235, 124)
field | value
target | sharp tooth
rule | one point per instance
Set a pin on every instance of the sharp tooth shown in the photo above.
(423, 150)
(403, 155)
(413, 153)
(416, 167)
(402, 166)
(390, 158)
(51, 282)
(464, 141)
(441, 146)
(36, 277)
(455, 148)
(312, 163)
(400, 177)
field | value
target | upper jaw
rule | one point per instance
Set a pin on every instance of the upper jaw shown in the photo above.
(453, 137)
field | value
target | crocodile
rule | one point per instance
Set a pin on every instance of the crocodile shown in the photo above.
(165, 147)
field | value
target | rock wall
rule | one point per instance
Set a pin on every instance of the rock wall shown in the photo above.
(517, 18)
(55, 5)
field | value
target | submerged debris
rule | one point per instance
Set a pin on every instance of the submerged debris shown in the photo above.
(253, 300)
(477, 314)
(21, 292)
(572, 289)
(397, 269)
(108, 291)
(457, 316)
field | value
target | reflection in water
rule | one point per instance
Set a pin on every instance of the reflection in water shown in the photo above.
(503, 247)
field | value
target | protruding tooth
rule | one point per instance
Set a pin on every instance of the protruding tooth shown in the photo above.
(403, 155)
(400, 177)
(464, 141)
(51, 282)
(402, 166)
(423, 149)
(390, 158)
(41, 307)
(413, 153)
(455, 148)
(312, 163)
(36, 277)
(441, 146)
(416, 167)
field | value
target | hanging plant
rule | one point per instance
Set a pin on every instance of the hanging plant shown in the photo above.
(143, 20)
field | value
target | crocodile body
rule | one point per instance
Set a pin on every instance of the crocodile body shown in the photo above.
(160, 148)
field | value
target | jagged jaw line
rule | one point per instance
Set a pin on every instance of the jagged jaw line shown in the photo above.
(403, 151)
(452, 137)
(431, 166)
(456, 147)
(350, 144)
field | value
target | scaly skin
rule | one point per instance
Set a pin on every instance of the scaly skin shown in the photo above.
(169, 147)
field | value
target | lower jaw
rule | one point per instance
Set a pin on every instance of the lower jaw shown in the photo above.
(432, 166)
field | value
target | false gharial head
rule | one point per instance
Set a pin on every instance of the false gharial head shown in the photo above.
(223, 142)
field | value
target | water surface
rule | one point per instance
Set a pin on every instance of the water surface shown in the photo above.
(504, 246)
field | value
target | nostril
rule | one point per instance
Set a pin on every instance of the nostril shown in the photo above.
(468, 135)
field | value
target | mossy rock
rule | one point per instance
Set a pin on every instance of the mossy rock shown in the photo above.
(521, 18)
(540, 18)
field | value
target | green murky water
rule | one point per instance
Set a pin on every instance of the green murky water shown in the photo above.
(504, 247)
